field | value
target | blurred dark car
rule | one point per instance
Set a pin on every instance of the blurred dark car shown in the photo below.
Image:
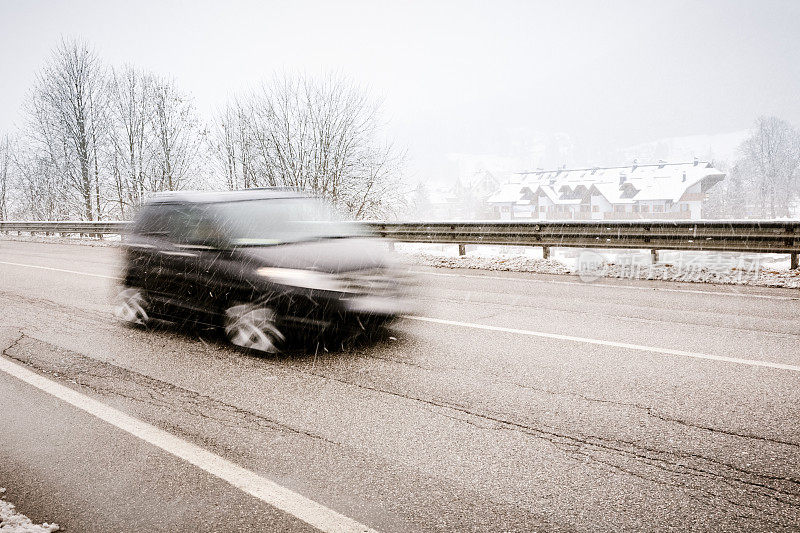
(261, 264)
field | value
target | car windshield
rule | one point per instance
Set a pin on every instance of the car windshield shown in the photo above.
(280, 220)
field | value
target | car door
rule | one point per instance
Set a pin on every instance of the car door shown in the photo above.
(141, 248)
(199, 251)
(168, 263)
(150, 250)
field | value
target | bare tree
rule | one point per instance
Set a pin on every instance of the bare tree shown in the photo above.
(66, 124)
(38, 183)
(156, 138)
(232, 146)
(5, 175)
(323, 135)
(772, 154)
(177, 139)
(130, 108)
(730, 198)
(420, 204)
(96, 142)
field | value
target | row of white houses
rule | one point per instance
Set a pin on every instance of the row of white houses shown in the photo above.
(656, 191)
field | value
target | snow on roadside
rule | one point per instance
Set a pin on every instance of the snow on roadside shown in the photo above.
(509, 263)
(13, 522)
(108, 240)
(594, 266)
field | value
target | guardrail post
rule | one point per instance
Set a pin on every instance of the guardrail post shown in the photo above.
(793, 263)
(462, 249)
(545, 252)
(654, 256)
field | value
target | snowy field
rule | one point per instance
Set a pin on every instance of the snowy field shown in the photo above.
(13, 522)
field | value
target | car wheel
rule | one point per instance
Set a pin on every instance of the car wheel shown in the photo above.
(131, 307)
(253, 328)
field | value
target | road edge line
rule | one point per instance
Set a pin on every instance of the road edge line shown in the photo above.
(59, 270)
(282, 498)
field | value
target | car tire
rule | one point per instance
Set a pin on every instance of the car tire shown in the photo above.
(131, 307)
(253, 328)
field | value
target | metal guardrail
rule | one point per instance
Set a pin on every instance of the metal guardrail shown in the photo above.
(756, 236)
(739, 236)
(110, 227)
(727, 235)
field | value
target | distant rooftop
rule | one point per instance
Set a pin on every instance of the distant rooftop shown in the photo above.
(632, 167)
(619, 184)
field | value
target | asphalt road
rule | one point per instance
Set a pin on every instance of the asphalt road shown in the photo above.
(509, 402)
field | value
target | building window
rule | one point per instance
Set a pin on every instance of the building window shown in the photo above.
(658, 209)
(595, 209)
(619, 208)
(635, 208)
(684, 207)
(541, 209)
(645, 209)
(584, 208)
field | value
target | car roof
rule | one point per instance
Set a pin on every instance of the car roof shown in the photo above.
(197, 197)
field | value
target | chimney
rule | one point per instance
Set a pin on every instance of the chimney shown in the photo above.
(696, 161)
(684, 176)
(622, 178)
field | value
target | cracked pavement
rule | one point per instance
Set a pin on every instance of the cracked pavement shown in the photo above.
(439, 428)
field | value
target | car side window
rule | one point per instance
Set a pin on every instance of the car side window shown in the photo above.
(166, 221)
(150, 223)
(203, 228)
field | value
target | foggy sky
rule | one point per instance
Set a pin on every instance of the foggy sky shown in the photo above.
(467, 77)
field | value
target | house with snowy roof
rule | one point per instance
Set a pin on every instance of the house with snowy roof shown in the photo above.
(653, 191)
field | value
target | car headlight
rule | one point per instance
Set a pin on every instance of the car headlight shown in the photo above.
(307, 279)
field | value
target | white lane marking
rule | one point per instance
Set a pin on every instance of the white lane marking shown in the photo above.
(58, 270)
(586, 340)
(309, 511)
(609, 285)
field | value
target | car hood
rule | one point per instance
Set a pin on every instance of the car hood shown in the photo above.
(324, 255)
